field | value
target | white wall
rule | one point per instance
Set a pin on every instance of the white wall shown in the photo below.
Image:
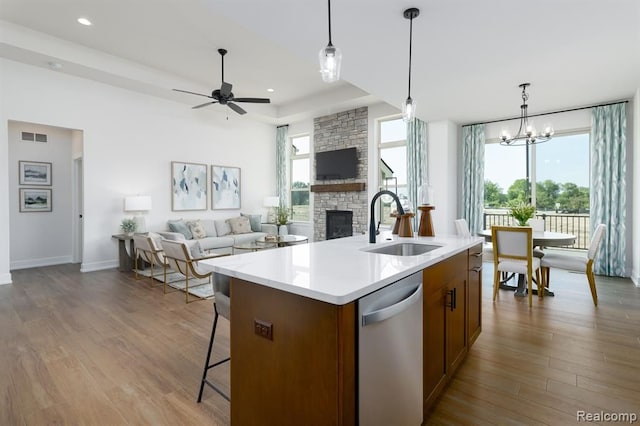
(129, 143)
(442, 174)
(39, 239)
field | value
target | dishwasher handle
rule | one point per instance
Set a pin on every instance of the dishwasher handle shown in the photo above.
(389, 311)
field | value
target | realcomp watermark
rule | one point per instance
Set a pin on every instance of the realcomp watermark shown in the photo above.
(604, 416)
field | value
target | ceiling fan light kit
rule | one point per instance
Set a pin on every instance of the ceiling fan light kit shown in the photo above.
(409, 106)
(330, 57)
(224, 95)
(526, 133)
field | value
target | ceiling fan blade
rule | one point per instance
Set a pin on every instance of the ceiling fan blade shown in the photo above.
(225, 89)
(204, 104)
(236, 108)
(253, 100)
(192, 93)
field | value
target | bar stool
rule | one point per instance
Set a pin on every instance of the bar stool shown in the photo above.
(221, 306)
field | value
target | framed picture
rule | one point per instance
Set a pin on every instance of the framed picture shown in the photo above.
(225, 187)
(35, 200)
(188, 186)
(34, 173)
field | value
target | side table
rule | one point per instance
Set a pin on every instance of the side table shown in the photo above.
(125, 258)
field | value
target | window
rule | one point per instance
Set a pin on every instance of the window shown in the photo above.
(300, 178)
(392, 150)
(559, 175)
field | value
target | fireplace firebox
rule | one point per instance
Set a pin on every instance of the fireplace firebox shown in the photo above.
(339, 224)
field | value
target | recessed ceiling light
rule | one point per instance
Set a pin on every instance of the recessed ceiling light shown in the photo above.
(84, 21)
(270, 90)
(54, 65)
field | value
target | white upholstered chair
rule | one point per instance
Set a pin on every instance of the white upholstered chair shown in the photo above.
(537, 225)
(148, 249)
(221, 307)
(462, 229)
(575, 263)
(513, 252)
(179, 259)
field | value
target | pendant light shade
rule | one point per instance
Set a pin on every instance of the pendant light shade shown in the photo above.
(330, 58)
(409, 105)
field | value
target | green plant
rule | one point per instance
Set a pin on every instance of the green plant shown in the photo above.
(128, 225)
(521, 212)
(282, 215)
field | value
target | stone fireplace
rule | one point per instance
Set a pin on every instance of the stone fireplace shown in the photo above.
(339, 224)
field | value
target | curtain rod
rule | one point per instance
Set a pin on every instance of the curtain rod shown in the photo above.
(548, 113)
(284, 125)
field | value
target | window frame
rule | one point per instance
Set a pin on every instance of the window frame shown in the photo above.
(292, 158)
(380, 146)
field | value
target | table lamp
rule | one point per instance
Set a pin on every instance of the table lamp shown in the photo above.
(271, 202)
(138, 204)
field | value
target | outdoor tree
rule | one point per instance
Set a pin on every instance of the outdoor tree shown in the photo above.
(547, 194)
(573, 199)
(493, 196)
(299, 198)
(518, 191)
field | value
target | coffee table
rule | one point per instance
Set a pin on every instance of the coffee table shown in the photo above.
(284, 240)
(254, 246)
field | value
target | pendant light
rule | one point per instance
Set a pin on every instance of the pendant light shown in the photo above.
(527, 134)
(330, 58)
(409, 106)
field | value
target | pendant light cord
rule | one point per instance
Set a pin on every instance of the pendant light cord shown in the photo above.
(410, 42)
(329, 7)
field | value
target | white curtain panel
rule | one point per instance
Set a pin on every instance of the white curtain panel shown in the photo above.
(608, 186)
(416, 161)
(473, 176)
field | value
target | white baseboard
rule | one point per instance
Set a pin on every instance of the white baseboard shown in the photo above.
(5, 278)
(35, 263)
(98, 266)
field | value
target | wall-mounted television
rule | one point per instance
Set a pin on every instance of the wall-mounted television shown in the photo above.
(337, 164)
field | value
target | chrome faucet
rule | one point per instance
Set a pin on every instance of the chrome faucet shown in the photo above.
(372, 220)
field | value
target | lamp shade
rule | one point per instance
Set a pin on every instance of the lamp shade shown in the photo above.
(272, 201)
(138, 203)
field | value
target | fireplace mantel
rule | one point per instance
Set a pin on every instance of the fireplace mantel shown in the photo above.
(339, 187)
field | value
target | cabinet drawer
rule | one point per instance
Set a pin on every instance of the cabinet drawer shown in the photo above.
(475, 257)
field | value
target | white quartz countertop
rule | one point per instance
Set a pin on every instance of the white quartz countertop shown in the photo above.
(336, 271)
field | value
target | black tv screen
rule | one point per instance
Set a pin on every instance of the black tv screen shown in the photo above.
(338, 164)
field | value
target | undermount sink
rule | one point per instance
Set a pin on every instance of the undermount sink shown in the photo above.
(405, 249)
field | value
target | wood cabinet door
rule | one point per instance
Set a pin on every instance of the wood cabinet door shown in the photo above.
(456, 323)
(434, 362)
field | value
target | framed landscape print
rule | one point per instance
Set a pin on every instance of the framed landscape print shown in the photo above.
(225, 187)
(35, 200)
(188, 186)
(34, 173)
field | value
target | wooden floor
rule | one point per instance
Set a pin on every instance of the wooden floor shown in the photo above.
(102, 348)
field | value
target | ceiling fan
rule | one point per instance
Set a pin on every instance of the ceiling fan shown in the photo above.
(224, 95)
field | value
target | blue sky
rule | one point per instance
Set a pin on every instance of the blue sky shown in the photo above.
(562, 159)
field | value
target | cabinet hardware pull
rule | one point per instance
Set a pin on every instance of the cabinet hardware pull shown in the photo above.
(477, 269)
(452, 304)
(455, 299)
(476, 254)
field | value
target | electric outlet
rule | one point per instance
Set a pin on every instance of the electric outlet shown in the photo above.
(263, 329)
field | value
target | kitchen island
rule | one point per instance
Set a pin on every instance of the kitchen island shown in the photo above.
(294, 331)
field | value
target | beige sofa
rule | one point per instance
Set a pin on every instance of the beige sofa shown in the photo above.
(220, 236)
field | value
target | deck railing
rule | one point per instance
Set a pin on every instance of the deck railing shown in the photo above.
(577, 224)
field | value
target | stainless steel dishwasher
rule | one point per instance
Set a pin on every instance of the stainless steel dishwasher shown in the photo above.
(390, 354)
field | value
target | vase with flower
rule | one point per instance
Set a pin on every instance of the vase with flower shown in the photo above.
(522, 212)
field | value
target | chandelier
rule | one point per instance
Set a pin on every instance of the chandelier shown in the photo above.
(526, 133)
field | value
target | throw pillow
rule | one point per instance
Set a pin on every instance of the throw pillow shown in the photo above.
(255, 220)
(240, 225)
(222, 228)
(197, 229)
(181, 227)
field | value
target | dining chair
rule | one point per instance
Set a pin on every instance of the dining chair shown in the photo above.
(577, 263)
(462, 230)
(150, 251)
(221, 307)
(537, 225)
(179, 259)
(513, 252)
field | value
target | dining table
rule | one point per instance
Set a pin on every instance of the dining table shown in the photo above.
(540, 239)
